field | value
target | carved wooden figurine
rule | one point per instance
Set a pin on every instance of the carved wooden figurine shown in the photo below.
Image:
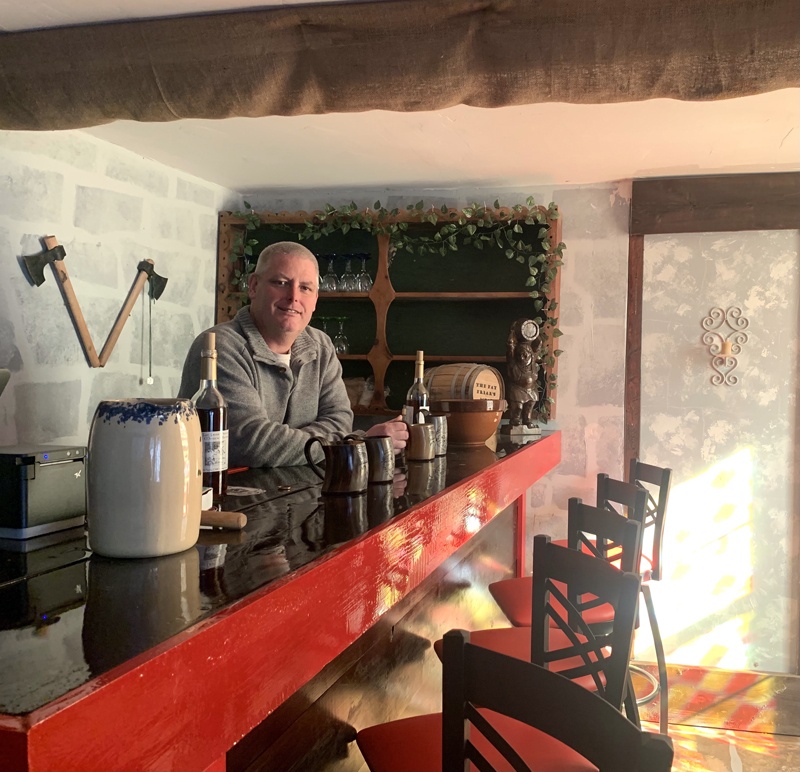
(522, 359)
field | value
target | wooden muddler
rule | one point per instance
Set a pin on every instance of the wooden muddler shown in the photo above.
(116, 330)
(60, 271)
(234, 521)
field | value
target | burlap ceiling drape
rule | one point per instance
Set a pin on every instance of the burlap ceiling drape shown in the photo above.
(405, 55)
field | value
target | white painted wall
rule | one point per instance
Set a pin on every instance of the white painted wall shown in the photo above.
(110, 208)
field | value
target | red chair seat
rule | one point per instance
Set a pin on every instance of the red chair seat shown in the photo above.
(515, 598)
(415, 745)
(516, 642)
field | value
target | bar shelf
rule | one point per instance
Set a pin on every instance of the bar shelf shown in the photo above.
(382, 295)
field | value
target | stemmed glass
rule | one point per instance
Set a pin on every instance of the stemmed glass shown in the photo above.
(340, 342)
(330, 281)
(363, 278)
(348, 282)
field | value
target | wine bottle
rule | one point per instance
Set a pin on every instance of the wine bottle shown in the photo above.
(416, 409)
(213, 411)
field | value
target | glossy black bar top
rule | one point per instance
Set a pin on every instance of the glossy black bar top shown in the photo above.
(67, 616)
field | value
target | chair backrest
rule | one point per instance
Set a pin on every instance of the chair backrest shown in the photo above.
(629, 495)
(604, 534)
(655, 509)
(602, 655)
(474, 677)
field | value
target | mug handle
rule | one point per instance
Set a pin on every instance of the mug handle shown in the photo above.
(311, 463)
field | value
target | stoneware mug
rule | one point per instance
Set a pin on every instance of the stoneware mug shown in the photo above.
(439, 421)
(380, 453)
(421, 442)
(346, 464)
(145, 477)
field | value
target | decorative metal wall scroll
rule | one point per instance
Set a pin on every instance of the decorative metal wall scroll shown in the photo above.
(725, 344)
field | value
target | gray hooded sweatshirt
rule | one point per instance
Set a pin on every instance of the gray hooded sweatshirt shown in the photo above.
(273, 410)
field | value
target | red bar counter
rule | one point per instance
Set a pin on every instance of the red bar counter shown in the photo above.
(224, 666)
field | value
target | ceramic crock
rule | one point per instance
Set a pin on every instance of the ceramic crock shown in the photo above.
(133, 605)
(144, 477)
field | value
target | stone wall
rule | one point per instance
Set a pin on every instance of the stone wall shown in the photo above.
(593, 307)
(110, 209)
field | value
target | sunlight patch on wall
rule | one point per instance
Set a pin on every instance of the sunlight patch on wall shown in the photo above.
(708, 569)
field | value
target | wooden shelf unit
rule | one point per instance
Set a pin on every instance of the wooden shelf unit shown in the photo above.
(382, 294)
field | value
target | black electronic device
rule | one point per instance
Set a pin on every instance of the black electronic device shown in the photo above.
(42, 489)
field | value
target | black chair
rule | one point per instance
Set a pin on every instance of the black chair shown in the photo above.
(514, 595)
(593, 663)
(493, 694)
(655, 515)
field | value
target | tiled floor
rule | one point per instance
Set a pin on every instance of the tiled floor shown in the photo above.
(730, 721)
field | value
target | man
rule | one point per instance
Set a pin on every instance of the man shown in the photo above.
(281, 378)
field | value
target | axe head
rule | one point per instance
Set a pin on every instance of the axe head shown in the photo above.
(157, 283)
(35, 264)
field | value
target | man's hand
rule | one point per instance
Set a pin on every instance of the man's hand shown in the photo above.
(395, 429)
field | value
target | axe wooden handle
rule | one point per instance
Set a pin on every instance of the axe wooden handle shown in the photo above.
(116, 330)
(60, 270)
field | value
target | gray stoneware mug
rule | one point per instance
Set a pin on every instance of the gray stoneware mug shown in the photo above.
(380, 452)
(421, 442)
(346, 465)
(439, 421)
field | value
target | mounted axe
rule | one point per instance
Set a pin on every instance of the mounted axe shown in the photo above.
(157, 285)
(35, 265)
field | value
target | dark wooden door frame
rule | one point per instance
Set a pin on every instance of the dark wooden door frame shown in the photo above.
(724, 203)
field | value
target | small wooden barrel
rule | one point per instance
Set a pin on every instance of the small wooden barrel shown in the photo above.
(464, 381)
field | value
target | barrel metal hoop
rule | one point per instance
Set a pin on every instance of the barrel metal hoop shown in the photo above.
(474, 369)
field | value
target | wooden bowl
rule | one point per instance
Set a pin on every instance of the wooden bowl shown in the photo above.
(470, 421)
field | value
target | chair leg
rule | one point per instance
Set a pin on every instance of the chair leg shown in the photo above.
(663, 724)
(629, 703)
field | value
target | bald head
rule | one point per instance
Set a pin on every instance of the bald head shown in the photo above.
(281, 249)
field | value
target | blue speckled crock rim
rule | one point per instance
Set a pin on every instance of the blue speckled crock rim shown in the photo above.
(145, 410)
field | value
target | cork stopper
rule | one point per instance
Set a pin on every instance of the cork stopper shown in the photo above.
(209, 345)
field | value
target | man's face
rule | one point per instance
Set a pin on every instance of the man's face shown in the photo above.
(284, 296)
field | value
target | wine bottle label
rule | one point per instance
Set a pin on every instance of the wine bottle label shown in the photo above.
(215, 451)
(412, 415)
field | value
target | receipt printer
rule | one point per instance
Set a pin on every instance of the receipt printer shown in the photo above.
(42, 489)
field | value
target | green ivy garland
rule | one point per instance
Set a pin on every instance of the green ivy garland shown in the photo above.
(479, 226)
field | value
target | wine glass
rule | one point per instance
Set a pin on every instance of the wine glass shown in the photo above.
(340, 342)
(348, 282)
(363, 278)
(330, 281)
